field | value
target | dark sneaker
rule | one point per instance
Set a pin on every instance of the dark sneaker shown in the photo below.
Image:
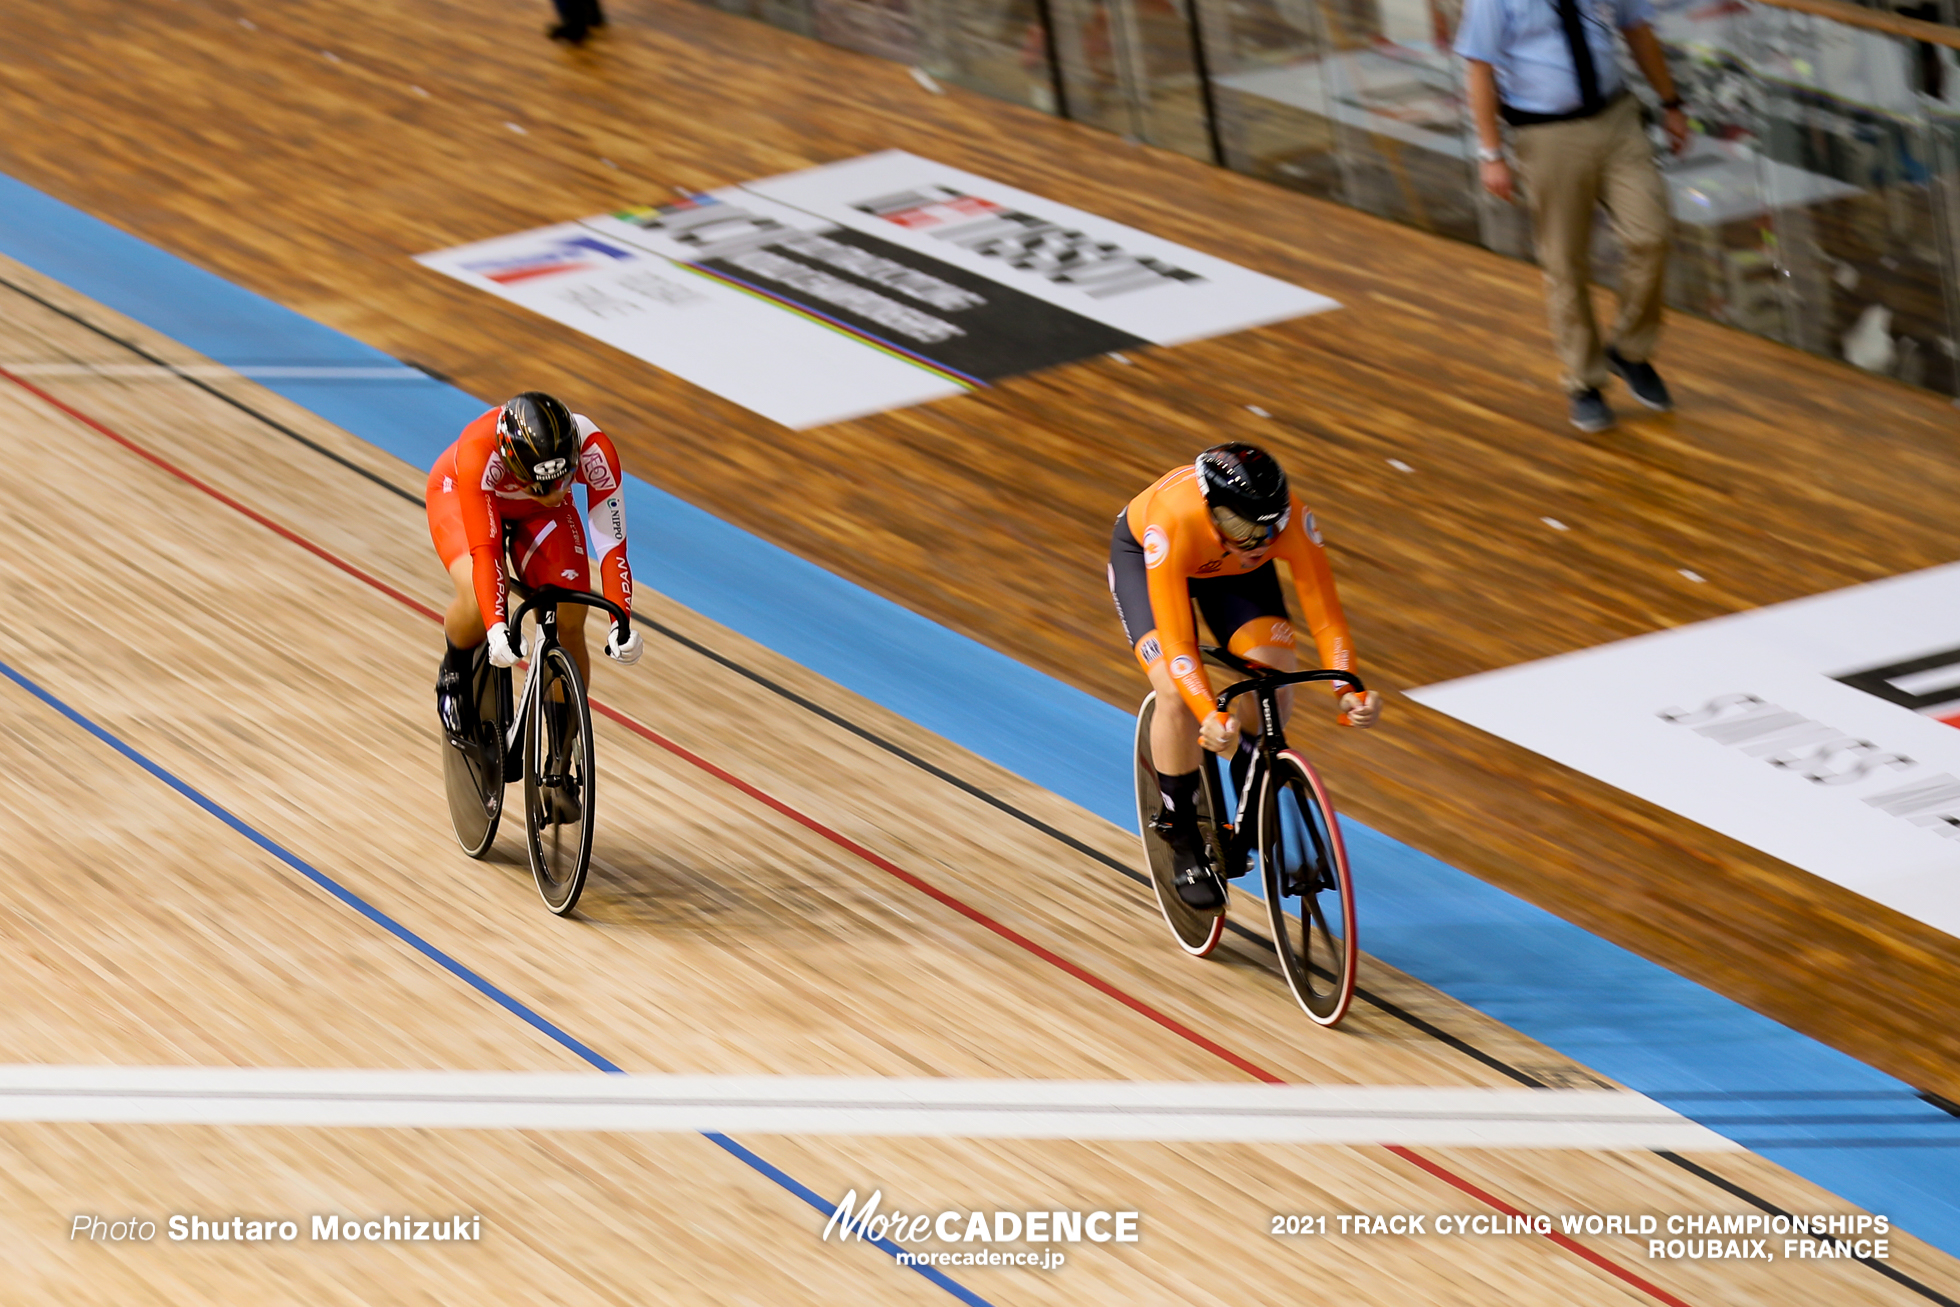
(1642, 380)
(1589, 411)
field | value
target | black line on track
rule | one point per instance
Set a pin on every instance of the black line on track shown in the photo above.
(993, 800)
(215, 393)
(1763, 1205)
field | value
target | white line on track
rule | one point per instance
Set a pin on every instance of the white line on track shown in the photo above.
(969, 1109)
(210, 372)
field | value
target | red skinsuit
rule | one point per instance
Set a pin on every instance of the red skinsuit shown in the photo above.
(471, 497)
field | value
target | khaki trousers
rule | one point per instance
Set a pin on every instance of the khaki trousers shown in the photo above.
(1568, 169)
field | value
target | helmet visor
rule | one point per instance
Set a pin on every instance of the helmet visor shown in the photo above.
(1244, 534)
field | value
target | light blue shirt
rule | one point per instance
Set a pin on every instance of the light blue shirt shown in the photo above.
(1525, 42)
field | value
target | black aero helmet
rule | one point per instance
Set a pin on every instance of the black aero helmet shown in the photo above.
(538, 440)
(1246, 491)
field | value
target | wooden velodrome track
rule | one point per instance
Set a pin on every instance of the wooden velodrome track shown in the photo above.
(313, 179)
(726, 936)
(241, 654)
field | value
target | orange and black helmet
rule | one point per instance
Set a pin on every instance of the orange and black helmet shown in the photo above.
(538, 441)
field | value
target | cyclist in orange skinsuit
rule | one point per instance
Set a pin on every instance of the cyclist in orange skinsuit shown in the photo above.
(506, 484)
(1210, 534)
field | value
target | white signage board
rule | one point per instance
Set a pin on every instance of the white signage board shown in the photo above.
(867, 285)
(785, 367)
(1820, 731)
(959, 217)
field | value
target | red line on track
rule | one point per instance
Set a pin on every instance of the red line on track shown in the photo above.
(219, 495)
(1569, 1244)
(850, 845)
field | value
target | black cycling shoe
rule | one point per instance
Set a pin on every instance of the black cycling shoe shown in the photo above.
(451, 703)
(563, 807)
(1197, 884)
(1238, 860)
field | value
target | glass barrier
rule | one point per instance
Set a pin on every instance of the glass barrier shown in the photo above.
(1818, 202)
(1358, 101)
(1815, 204)
(1132, 67)
(791, 14)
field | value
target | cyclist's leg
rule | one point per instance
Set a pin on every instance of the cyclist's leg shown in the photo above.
(1173, 731)
(1174, 749)
(462, 625)
(1268, 639)
(549, 549)
(1247, 614)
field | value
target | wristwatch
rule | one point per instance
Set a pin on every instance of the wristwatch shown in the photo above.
(1487, 155)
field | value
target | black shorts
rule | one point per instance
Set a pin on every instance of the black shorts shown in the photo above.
(1225, 602)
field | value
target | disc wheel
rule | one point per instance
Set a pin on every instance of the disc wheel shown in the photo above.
(558, 776)
(473, 771)
(1304, 865)
(1197, 933)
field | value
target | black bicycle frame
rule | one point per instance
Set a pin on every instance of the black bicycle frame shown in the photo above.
(1265, 683)
(546, 600)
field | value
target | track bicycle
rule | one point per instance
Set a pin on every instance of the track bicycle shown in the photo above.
(1284, 824)
(546, 742)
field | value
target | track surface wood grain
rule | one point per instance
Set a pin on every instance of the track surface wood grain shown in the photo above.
(721, 937)
(307, 153)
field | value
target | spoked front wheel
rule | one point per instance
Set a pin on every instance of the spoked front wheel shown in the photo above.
(473, 770)
(1197, 933)
(1305, 864)
(558, 776)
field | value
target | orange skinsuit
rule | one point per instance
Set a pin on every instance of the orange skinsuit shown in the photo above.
(471, 496)
(1180, 544)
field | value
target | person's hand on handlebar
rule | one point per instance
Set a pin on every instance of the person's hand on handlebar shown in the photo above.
(1361, 710)
(627, 653)
(1220, 733)
(501, 654)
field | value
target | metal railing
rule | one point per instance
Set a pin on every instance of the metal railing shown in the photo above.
(1816, 205)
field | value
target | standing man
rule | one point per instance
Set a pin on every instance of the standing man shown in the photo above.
(1547, 68)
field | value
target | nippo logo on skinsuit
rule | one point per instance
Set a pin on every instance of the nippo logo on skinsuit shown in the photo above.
(1156, 546)
(1313, 529)
(1183, 665)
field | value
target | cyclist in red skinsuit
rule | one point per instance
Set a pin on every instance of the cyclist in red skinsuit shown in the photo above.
(1210, 533)
(506, 484)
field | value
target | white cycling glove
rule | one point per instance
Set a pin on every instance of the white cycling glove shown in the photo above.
(624, 654)
(501, 654)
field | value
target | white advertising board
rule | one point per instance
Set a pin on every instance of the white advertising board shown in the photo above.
(1820, 731)
(866, 285)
